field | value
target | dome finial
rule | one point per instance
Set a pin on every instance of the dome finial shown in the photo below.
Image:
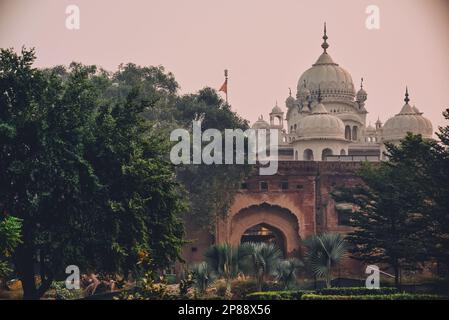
(325, 45)
(407, 100)
(361, 83)
(290, 92)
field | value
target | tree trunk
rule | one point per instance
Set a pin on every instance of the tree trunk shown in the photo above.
(259, 283)
(25, 269)
(329, 274)
(396, 276)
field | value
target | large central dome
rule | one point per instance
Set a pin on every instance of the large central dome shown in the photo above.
(328, 76)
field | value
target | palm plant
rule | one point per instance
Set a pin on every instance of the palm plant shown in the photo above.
(202, 276)
(324, 252)
(286, 271)
(263, 260)
(227, 261)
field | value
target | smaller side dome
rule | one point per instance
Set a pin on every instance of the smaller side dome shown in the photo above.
(407, 120)
(362, 96)
(290, 101)
(321, 125)
(276, 109)
(261, 124)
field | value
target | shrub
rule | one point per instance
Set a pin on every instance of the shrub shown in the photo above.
(356, 291)
(241, 288)
(221, 288)
(171, 279)
(397, 296)
(62, 293)
(277, 295)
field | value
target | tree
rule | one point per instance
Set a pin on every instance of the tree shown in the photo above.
(227, 261)
(210, 188)
(438, 196)
(10, 238)
(263, 261)
(324, 252)
(88, 177)
(396, 209)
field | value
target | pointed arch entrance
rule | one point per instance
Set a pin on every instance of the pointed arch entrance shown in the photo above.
(268, 223)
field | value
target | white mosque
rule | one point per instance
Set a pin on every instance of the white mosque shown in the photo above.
(327, 120)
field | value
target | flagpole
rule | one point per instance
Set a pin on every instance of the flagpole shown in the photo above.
(226, 81)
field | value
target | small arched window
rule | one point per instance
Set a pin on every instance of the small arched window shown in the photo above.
(354, 133)
(308, 155)
(326, 152)
(348, 133)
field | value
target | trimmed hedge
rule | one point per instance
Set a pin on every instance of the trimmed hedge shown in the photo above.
(343, 294)
(358, 291)
(241, 288)
(277, 295)
(397, 296)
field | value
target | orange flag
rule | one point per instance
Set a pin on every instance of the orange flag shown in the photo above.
(224, 87)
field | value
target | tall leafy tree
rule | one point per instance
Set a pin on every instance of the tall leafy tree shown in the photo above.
(88, 177)
(392, 210)
(210, 188)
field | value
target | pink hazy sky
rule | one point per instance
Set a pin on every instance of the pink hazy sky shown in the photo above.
(266, 45)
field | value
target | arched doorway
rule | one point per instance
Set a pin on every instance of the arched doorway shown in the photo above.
(265, 233)
(266, 222)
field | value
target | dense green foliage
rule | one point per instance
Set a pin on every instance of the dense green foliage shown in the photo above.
(400, 211)
(342, 294)
(396, 296)
(356, 291)
(10, 238)
(88, 176)
(62, 293)
(277, 295)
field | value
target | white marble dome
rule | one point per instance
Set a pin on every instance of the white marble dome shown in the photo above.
(321, 125)
(408, 120)
(330, 78)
